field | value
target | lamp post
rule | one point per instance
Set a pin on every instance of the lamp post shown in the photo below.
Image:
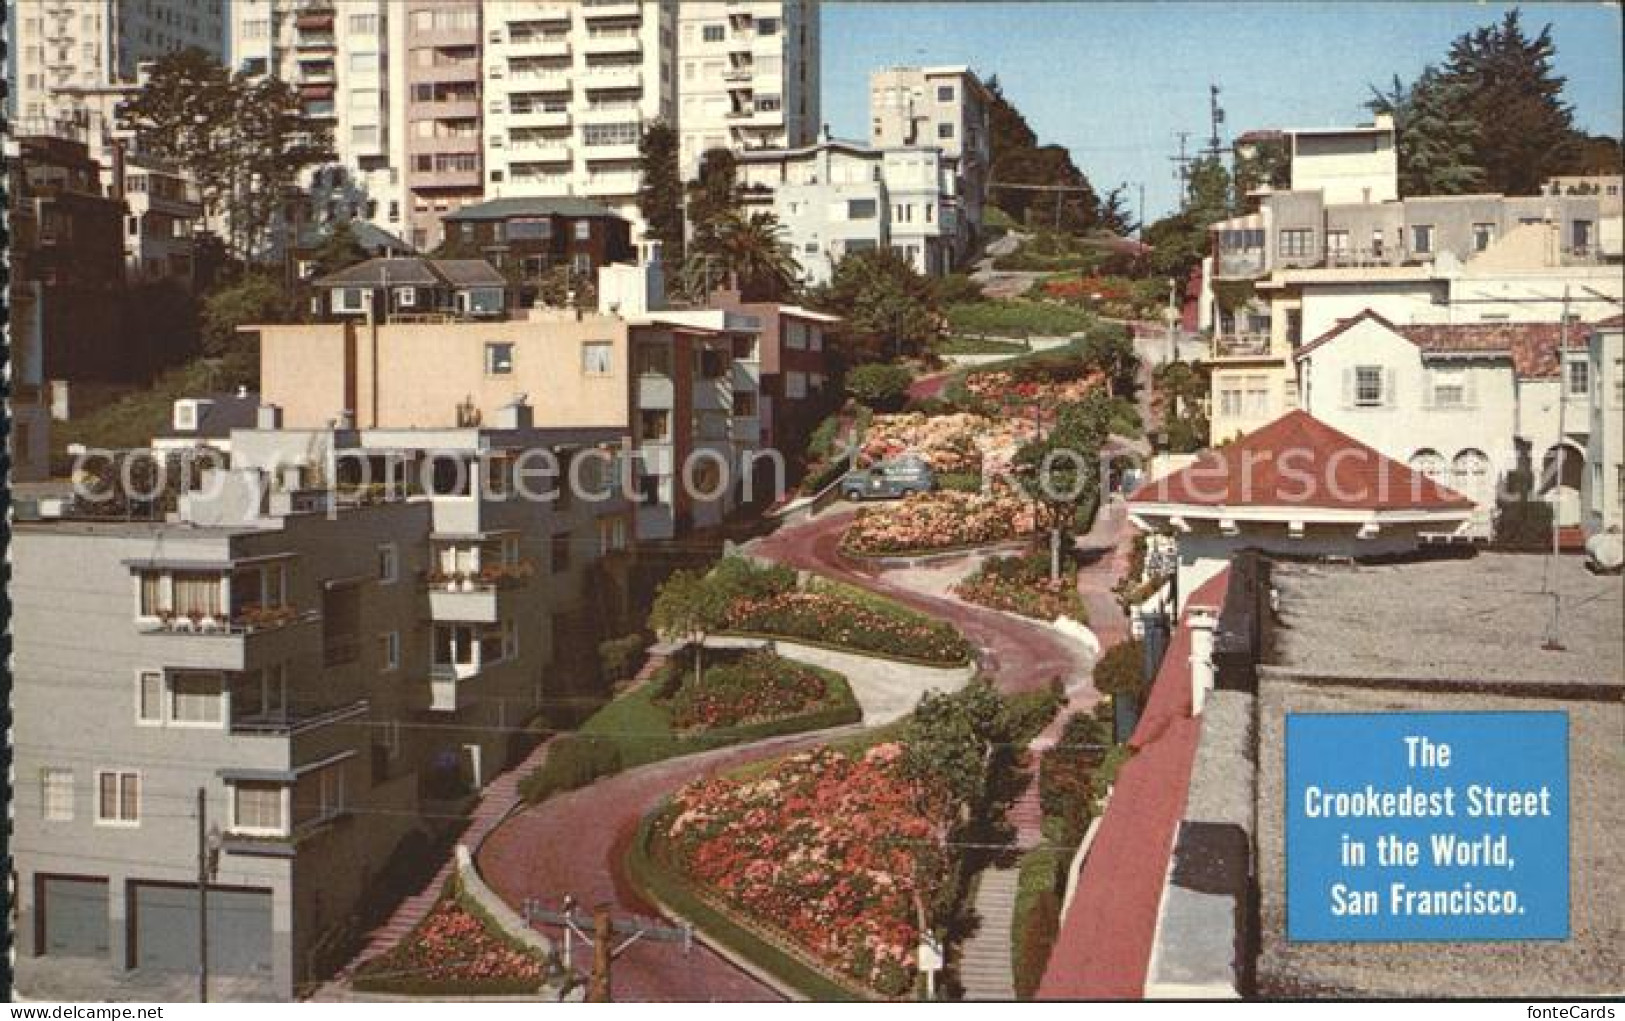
(208, 860)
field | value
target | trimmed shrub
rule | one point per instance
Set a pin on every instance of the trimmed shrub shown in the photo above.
(754, 687)
(572, 761)
(1120, 670)
(960, 482)
(1065, 774)
(620, 657)
(1038, 919)
(879, 386)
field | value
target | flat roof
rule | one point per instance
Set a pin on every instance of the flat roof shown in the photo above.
(1459, 624)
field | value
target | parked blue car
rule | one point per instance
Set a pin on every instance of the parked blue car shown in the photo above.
(889, 480)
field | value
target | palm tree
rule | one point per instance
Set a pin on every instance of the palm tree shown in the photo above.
(755, 254)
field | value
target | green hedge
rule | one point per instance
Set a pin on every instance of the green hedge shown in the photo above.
(1017, 317)
(621, 657)
(1040, 886)
(1121, 670)
(650, 873)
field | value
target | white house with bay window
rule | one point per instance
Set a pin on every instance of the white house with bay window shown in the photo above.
(1459, 403)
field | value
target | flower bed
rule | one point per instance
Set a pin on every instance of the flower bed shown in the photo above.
(943, 520)
(830, 615)
(948, 443)
(752, 688)
(455, 951)
(826, 850)
(1022, 585)
(1014, 389)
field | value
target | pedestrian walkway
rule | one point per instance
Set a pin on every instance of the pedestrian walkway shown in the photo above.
(986, 971)
(497, 801)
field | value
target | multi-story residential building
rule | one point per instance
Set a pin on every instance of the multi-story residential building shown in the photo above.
(664, 378)
(533, 235)
(1462, 404)
(317, 668)
(413, 289)
(163, 212)
(944, 107)
(1610, 188)
(749, 76)
(1338, 242)
(64, 44)
(337, 56)
(569, 88)
(441, 53)
(838, 197)
(790, 365)
(1602, 498)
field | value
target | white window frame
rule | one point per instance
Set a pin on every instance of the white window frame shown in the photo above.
(589, 347)
(121, 821)
(1379, 400)
(285, 809)
(494, 366)
(141, 719)
(50, 809)
(391, 641)
(223, 709)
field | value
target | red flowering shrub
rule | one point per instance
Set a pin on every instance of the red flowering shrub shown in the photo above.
(757, 686)
(1022, 585)
(455, 951)
(830, 851)
(940, 520)
(829, 616)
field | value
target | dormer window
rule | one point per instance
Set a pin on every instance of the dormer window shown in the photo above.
(185, 415)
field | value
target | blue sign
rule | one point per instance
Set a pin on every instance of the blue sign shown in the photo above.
(1427, 826)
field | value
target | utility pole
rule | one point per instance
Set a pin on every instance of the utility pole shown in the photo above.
(602, 954)
(202, 901)
(1215, 118)
(1554, 636)
(1182, 171)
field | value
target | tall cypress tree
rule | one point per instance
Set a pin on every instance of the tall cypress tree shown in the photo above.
(660, 196)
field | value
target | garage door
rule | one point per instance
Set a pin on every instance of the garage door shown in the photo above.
(166, 930)
(74, 915)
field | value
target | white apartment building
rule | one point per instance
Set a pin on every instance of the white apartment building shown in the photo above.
(1602, 492)
(836, 197)
(337, 55)
(66, 44)
(749, 76)
(947, 107)
(568, 89)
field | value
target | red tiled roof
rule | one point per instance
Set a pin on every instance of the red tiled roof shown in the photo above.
(1103, 949)
(1612, 322)
(1299, 461)
(1531, 346)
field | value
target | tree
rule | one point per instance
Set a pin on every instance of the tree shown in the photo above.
(887, 306)
(879, 386)
(1263, 162)
(1436, 142)
(1109, 349)
(689, 607)
(948, 738)
(660, 196)
(243, 140)
(713, 196)
(1060, 471)
(338, 250)
(1113, 215)
(1502, 80)
(255, 298)
(754, 256)
(1179, 242)
(1018, 158)
(1181, 392)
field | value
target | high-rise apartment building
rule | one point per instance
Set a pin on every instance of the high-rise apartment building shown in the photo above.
(438, 42)
(337, 56)
(946, 107)
(569, 88)
(76, 44)
(749, 76)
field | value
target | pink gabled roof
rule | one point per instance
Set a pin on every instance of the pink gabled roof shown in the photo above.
(1103, 949)
(1299, 461)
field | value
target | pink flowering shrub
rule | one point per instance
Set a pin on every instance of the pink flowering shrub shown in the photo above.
(755, 687)
(454, 951)
(939, 520)
(1009, 389)
(831, 851)
(1022, 585)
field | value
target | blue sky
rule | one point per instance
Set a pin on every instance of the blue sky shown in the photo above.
(1114, 82)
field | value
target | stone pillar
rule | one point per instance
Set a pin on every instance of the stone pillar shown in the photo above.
(1201, 622)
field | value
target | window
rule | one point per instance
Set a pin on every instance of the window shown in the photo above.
(1582, 235)
(194, 698)
(1579, 377)
(654, 425)
(1483, 235)
(364, 24)
(1422, 238)
(583, 230)
(498, 359)
(1449, 388)
(319, 795)
(596, 357)
(795, 386)
(945, 93)
(56, 795)
(945, 129)
(1367, 386)
(389, 650)
(713, 33)
(1337, 243)
(611, 535)
(257, 807)
(1297, 242)
(768, 104)
(860, 209)
(710, 363)
(149, 697)
(1230, 401)
(118, 798)
(388, 563)
(654, 360)
(767, 26)
(1256, 398)
(364, 62)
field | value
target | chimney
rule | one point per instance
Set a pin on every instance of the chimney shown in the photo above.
(516, 414)
(1201, 620)
(268, 416)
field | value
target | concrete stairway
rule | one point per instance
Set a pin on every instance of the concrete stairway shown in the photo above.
(985, 968)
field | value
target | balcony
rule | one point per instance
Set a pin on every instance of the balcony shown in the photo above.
(288, 721)
(618, 153)
(655, 392)
(539, 46)
(739, 74)
(613, 42)
(1245, 263)
(536, 117)
(527, 79)
(1242, 345)
(475, 598)
(594, 10)
(309, 42)
(611, 185)
(210, 643)
(612, 76)
(526, 153)
(451, 108)
(449, 689)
